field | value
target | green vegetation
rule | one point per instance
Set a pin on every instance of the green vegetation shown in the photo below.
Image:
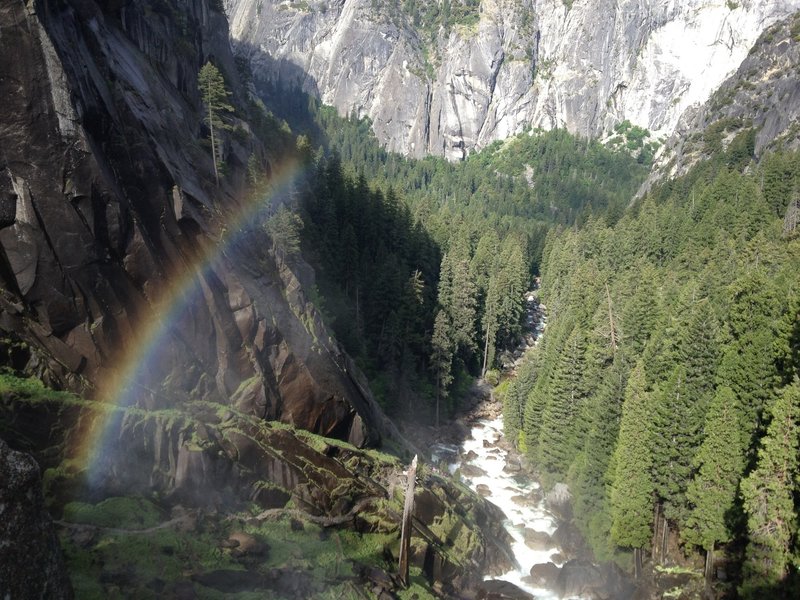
(634, 140)
(422, 264)
(284, 229)
(688, 303)
(32, 388)
(123, 513)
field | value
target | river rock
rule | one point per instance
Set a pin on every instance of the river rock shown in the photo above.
(472, 471)
(570, 541)
(484, 490)
(31, 565)
(557, 557)
(559, 501)
(531, 499)
(512, 465)
(537, 540)
(498, 589)
(581, 578)
(544, 575)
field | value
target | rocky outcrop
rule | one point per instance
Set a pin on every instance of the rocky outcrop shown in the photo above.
(117, 258)
(763, 95)
(447, 85)
(583, 579)
(225, 463)
(31, 565)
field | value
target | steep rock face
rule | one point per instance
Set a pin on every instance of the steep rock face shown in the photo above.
(31, 565)
(763, 94)
(109, 206)
(463, 88)
(448, 87)
(646, 61)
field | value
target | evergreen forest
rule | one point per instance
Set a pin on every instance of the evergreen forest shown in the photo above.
(665, 392)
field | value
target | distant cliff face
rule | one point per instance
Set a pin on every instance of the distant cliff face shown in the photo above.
(449, 77)
(107, 197)
(763, 95)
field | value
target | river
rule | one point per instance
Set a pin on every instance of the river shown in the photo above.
(517, 495)
(488, 467)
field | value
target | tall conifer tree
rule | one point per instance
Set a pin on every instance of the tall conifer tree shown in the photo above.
(215, 95)
(632, 491)
(768, 494)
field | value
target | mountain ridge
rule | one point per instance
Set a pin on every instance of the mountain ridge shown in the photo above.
(497, 67)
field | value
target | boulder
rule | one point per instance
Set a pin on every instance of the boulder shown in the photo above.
(498, 589)
(570, 541)
(559, 501)
(531, 499)
(537, 540)
(244, 544)
(471, 471)
(484, 490)
(31, 564)
(544, 575)
(581, 578)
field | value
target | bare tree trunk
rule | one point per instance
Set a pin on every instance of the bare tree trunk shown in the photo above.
(213, 144)
(664, 539)
(405, 531)
(709, 568)
(611, 322)
(438, 393)
(637, 563)
(486, 346)
(656, 523)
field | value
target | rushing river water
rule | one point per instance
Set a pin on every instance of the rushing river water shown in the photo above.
(485, 466)
(515, 494)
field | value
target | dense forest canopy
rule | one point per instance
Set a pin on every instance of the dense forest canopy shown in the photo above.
(422, 264)
(666, 391)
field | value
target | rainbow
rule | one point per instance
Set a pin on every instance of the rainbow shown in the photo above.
(118, 387)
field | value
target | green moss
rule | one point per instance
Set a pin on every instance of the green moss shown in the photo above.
(418, 588)
(34, 390)
(117, 512)
(139, 564)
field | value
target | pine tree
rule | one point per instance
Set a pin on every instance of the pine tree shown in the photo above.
(675, 434)
(284, 229)
(215, 95)
(516, 394)
(588, 480)
(768, 494)
(558, 443)
(632, 490)
(720, 464)
(442, 357)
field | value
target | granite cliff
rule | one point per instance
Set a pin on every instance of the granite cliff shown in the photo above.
(760, 100)
(450, 77)
(108, 197)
